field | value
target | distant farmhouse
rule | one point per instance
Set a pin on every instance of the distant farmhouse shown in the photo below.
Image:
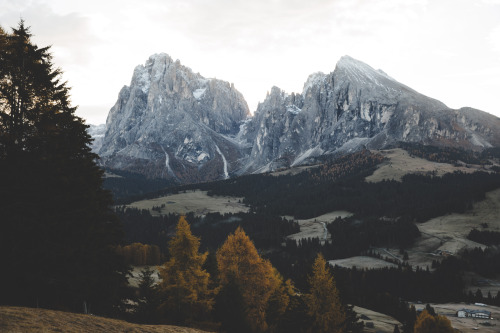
(483, 314)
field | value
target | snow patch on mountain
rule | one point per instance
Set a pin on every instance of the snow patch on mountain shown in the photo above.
(198, 93)
(226, 174)
(293, 109)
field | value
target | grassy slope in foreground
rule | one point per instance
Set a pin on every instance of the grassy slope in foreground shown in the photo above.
(19, 319)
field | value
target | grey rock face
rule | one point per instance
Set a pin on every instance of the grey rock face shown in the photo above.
(171, 122)
(97, 133)
(353, 107)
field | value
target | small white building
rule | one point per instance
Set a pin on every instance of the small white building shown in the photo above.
(483, 314)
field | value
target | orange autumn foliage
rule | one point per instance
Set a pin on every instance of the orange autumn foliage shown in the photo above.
(185, 292)
(239, 262)
(322, 301)
(427, 323)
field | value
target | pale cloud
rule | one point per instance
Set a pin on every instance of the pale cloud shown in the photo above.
(494, 39)
(69, 33)
(435, 47)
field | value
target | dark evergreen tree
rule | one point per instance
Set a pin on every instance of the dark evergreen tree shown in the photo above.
(57, 230)
(147, 300)
(430, 309)
(230, 308)
(479, 295)
(353, 322)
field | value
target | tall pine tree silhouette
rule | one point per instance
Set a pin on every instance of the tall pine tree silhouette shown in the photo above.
(57, 229)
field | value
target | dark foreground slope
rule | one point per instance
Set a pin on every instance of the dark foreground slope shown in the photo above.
(19, 319)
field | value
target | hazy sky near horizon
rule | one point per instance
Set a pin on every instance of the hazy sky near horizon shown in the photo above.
(445, 49)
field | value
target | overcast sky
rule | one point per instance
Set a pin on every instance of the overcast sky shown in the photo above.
(446, 49)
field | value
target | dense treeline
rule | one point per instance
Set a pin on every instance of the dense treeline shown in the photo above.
(340, 185)
(140, 254)
(57, 229)
(450, 154)
(353, 232)
(363, 287)
(267, 231)
(127, 185)
(245, 293)
(415, 198)
(484, 262)
(485, 237)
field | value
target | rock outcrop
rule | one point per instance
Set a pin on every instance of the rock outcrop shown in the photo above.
(97, 133)
(171, 122)
(354, 107)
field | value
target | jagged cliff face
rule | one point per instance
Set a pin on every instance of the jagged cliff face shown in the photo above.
(353, 107)
(171, 122)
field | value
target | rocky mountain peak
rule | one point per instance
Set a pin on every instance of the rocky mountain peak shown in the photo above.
(353, 107)
(173, 122)
(313, 80)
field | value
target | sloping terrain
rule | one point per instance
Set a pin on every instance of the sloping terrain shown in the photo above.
(316, 227)
(196, 201)
(381, 322)
(19, 319)
(449, 232)
(400, 163)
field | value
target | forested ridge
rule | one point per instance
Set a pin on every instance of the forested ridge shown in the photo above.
(385, 214)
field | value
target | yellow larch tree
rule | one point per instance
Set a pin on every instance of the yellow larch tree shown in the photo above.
(185, 287)
(258, 282)
(322, 301)
(427, 323)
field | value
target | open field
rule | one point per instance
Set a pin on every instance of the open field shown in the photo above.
(381, 323)
(441, 236)
(449, 233)
(19, 319)
(192, 201)
(362, 262)
(468, 324)
(401, 163)
(316, 227)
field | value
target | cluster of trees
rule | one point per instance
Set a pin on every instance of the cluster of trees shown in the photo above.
(363, 233)
(57, 227)
(485, 237)
(346, 165)
(267, 231)
(245, 293)
(449, 154)
(431, 322)
(416, 198)
(126, 185)
(140, 254)
(479, 297)
(484, 262)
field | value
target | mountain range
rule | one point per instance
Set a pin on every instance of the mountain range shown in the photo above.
(176, 124)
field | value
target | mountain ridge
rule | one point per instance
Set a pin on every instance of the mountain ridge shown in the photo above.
(173, 123)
